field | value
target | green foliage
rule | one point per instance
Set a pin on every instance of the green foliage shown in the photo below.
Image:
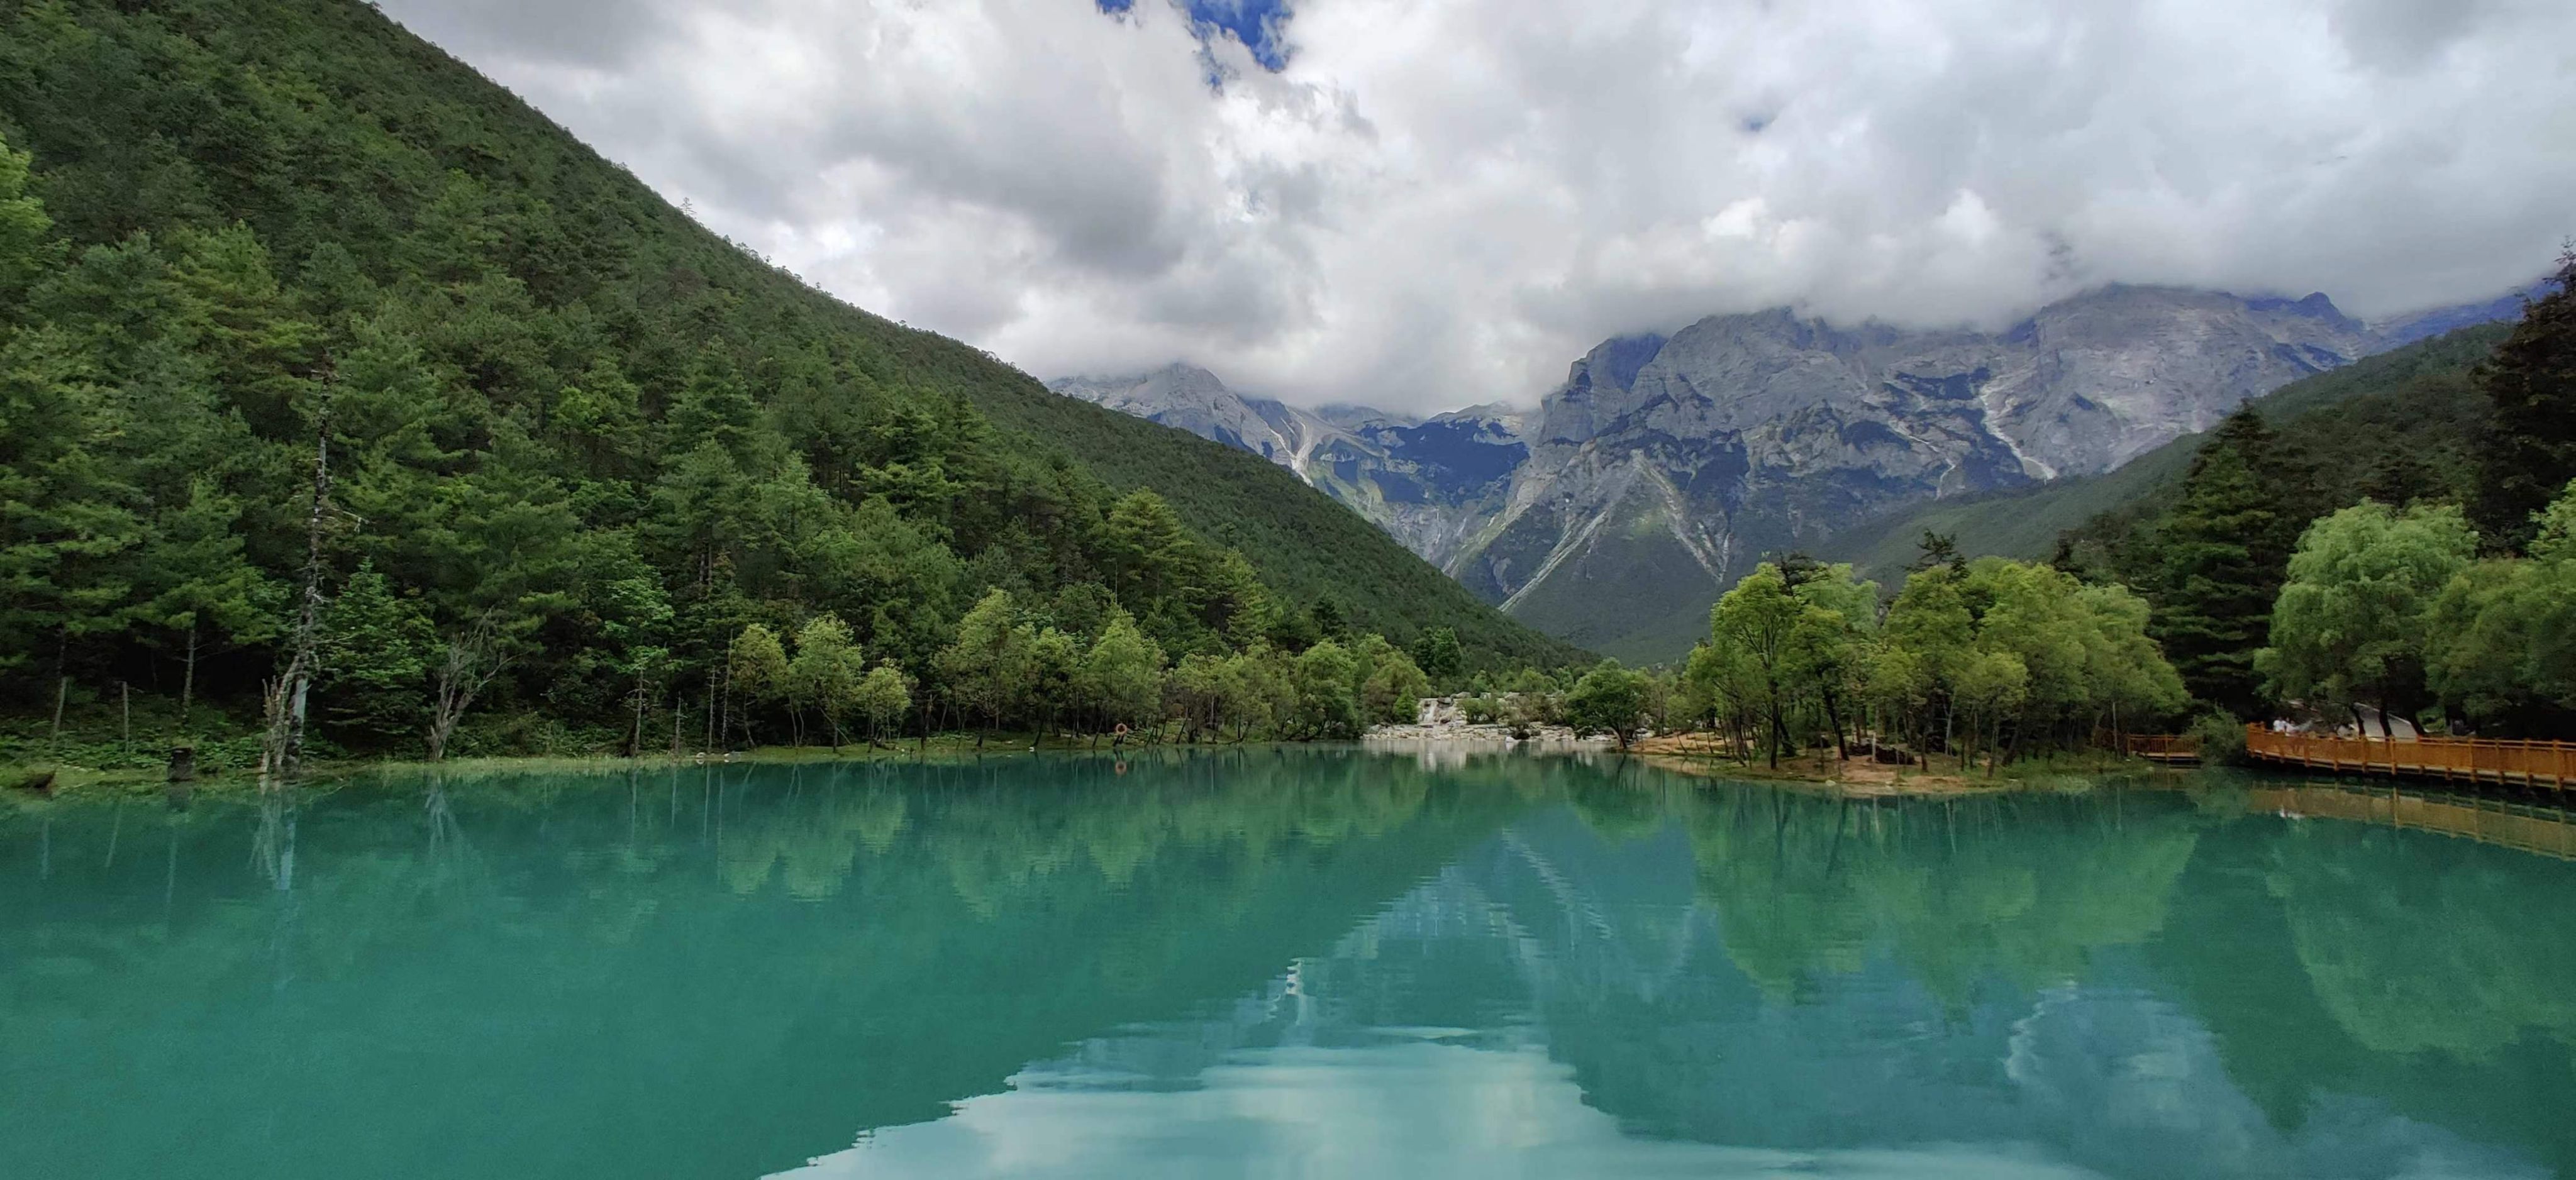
(1394, 689)
(553, 402)
(2221, 737)
(1995, 654)
(758, 665)
(1608, 699)
(826, 673)
(1326, 705)
(2528, 450)
(884, 696)
(28, 249)
(1788, 635)
(986, 665)
(1122, 674)
(377, 647)
(2349, 627)
(1438, 655)
(2396, 615)
(2225, 546)
(2500, 638)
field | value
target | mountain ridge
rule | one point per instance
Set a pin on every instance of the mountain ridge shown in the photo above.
(1663, 466)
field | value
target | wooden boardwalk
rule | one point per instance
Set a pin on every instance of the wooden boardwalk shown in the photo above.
(2540, 765)
(2170, 749)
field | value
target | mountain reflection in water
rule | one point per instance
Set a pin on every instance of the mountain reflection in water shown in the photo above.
(1294, 962)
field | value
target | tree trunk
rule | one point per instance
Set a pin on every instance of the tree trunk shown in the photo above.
(635, 724)
(188, 679)
(285, 738)
(62, 687)
(1834, 717)
(1779, 729)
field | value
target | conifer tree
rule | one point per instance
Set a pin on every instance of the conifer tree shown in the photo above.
(2225, 546)
(203, 589)
(375, 655)
(2530, 449)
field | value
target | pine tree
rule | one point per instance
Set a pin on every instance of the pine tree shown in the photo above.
(713, 408)
(1438, 655)
(28, 248)
(376, 652)
(203, 588)
(2224, 547)
(2530, 383)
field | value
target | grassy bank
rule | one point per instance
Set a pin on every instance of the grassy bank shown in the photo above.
(141, 775)
(1941, 774)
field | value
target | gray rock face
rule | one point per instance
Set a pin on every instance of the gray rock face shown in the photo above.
(1428, 483)
(1654, 484)
(1662, 469)
(1192, 399)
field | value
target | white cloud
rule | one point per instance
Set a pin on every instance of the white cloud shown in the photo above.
(1439, 202)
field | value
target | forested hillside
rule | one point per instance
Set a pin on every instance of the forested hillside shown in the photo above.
(572, 440)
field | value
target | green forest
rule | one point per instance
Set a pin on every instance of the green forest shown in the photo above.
(344, 400)
(2398, 538)
(2411, 549)
(335, 379)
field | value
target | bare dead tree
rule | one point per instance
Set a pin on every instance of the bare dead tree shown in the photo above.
(474, 660)
(286, 703)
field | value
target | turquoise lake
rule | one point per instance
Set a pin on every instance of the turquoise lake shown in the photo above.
(1280, 962)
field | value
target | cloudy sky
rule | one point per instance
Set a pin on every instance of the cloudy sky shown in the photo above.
(1426, 203)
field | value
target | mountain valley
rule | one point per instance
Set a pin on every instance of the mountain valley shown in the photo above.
(1663, 468)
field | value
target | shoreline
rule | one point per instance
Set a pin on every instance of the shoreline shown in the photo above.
(1695, 755)
(1704, 755)
(73, 781)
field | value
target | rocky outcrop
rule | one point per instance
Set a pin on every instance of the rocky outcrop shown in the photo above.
(1429, 483)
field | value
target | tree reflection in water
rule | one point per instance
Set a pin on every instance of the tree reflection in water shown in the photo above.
(729, 969)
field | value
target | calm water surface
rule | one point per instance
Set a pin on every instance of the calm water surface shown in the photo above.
(1277, 963)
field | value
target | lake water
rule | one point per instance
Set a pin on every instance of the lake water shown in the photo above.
(1279, 963)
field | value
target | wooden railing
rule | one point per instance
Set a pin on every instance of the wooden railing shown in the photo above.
(2163, 747)
(2512, 763)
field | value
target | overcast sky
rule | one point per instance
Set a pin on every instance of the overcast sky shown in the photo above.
(1421, 204)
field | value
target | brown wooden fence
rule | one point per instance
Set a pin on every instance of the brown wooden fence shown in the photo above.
(2163, 747)
(2532, 764)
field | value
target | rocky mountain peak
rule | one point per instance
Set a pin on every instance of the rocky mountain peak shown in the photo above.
(1613, 512)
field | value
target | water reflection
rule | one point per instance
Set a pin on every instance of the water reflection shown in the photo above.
(1300, 962)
